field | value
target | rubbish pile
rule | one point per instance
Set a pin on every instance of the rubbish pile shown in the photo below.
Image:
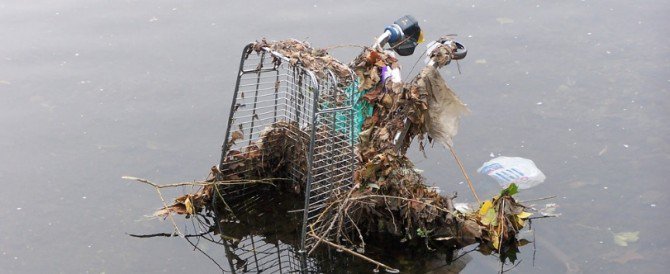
(322, 146)
(388, 199)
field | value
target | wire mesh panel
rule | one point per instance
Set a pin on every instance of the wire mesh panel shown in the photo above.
(294, 126)
(332, 157)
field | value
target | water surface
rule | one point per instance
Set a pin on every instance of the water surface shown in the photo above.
(93, 90)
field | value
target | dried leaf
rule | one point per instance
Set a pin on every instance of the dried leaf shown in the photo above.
(373, 57)
(383, 134)
(495, 239)
(490, 218)
(471, 229)
(521, 217)
(387, 101)
(524, 215)
(365, 135)
(519, 222)
(189, 206)
(372, 95)
(623, 238)
(236, 135)
(370, 171)
(374, 74)
(161, 213)
(485, 207)
(523, 242)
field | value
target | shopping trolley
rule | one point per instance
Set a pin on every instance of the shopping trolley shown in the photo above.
(315, 112)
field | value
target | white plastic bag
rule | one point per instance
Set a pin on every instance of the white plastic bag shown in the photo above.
(507, 170)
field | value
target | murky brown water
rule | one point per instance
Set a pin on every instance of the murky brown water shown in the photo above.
(93, 90)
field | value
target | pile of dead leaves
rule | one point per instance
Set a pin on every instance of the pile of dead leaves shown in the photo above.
(282, 147)
(301, 53)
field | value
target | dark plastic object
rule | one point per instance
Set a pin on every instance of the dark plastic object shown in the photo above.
(460, 52)
(411, 30)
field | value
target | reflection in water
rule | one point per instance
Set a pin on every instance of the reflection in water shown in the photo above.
(260, 232)
(258, 229)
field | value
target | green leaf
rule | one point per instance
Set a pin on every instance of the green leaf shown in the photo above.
(623, 238)
(421, 232)
(510, 190)
(490, 218)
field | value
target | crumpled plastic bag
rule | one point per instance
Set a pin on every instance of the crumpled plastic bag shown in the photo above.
(506, 170)
(444, 107)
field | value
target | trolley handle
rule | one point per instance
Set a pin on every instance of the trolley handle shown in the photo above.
(403, 36)
(457, 51)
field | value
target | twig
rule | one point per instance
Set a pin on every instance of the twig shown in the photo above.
(502, 224)
(174, 223)
(395, 226)
(465, 174)
(537, 199)
(330, 226)
(158, 187)
(204, 183)
(167, 235)
(415, 63)
(360, 235)
(345, 213)
(342, 202)
(542, 217)
(218, 192)
(356, 254)
(344, 46)
(400, 198)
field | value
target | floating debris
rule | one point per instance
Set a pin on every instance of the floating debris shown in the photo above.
(549, 210)
(624, 238)
(517, 170)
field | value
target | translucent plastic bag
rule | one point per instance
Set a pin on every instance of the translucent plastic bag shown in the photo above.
(506, 170)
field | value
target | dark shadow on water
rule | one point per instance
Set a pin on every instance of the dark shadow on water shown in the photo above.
(257, 230)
